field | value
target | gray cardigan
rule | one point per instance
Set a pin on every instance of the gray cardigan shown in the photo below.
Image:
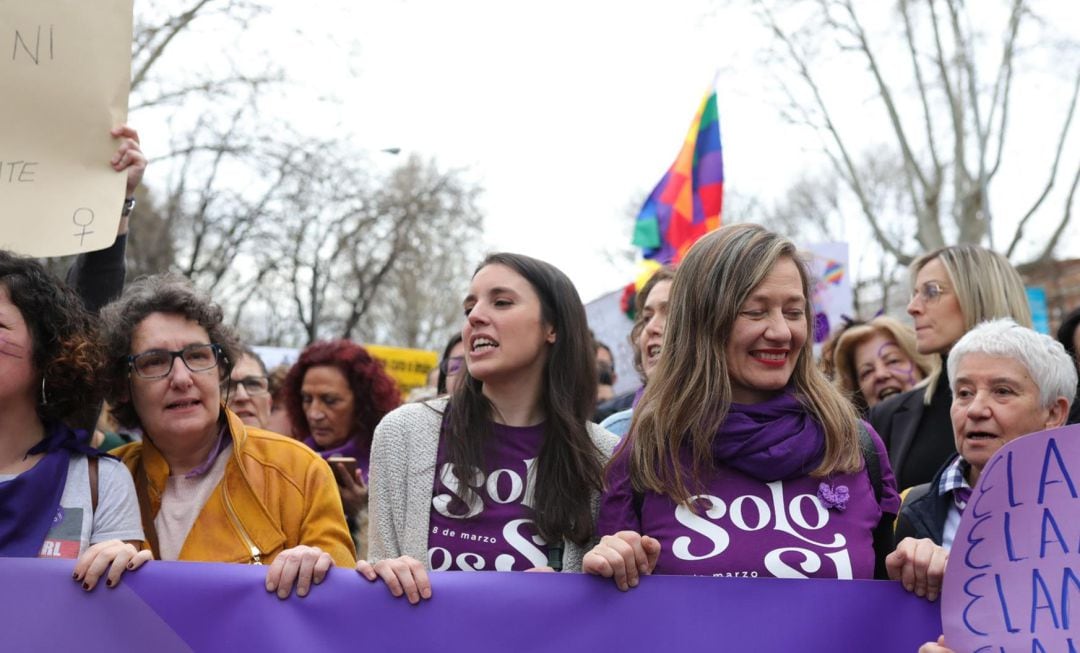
(402, 479)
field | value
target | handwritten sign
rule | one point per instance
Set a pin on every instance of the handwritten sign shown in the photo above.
(1013, 580)
(65, 69)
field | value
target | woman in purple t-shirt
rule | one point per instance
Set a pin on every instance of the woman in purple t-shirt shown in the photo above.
(742, 460)
(506, 475)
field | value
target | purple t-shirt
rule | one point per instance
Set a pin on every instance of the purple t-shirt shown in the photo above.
(496, 531)
(799, 528)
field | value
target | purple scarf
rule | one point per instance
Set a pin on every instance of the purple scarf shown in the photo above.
(348, 450)
(771, 441)
(30, 501)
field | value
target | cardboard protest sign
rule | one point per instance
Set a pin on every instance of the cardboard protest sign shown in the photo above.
(65, 68)
(1013, 579)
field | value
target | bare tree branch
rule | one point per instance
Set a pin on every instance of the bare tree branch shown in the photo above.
(921, 85)
(1003, 85)
(175, 26)
(1019, 234)
(847, 168)
(1048, 251)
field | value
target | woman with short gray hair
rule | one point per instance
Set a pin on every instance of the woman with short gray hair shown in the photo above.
(1008, 381)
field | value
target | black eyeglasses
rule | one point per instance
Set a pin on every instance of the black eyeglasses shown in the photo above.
(253, 385)
(158, 363)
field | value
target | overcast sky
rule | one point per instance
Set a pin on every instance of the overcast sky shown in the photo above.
(566, 113)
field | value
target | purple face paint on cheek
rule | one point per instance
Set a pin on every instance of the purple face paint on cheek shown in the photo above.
(907, 374)
(12, 349)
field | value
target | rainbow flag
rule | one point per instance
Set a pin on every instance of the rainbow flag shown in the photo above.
(686, 203)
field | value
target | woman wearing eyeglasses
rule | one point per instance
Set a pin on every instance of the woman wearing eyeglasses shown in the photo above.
(451, 366)
(248, 392)
(210, 488)
(954, 288)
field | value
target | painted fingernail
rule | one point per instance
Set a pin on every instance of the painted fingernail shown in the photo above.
(108, 583)
(86, 586)
(75, 575)
(131, 565)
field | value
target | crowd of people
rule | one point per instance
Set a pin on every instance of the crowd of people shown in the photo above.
(741, 455)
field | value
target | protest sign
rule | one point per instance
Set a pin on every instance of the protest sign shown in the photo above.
(65, 68)
(1013, 582)
(409, 367)
(183, 606)
(833, 297)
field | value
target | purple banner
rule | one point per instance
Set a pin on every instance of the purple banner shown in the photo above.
(1013, 581)
(179, 606)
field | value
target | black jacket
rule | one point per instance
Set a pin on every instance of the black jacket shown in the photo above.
(919, 437)
(924, 510)
(98, 277)
(897, 422)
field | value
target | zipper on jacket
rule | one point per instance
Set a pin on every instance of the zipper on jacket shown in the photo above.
(256, 555)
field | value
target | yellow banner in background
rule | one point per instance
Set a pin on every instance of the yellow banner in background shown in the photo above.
(409, 367)
(65, 71)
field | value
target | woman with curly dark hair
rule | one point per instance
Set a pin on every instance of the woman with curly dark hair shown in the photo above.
(211, 488)
(336, 394)
(59, 497)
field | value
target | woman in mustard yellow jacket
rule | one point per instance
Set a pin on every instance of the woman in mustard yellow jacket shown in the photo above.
(210, 488)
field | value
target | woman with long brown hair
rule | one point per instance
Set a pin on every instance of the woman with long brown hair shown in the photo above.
(742, 459)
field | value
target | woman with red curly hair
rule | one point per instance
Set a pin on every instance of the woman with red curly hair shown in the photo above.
(336, 394)
(59, 497)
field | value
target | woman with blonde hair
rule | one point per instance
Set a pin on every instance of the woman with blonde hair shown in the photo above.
(875, 360)
(953, 289)
(743, 460)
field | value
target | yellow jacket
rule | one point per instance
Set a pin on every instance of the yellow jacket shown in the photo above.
(276, 494)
